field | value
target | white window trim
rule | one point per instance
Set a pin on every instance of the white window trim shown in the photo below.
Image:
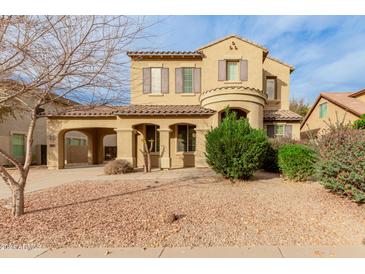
(238, 71)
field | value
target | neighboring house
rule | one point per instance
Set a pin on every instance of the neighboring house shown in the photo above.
(332, 107)
(14, 128)
(178, 96)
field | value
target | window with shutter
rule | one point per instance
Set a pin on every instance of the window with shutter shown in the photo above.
(187, 80)
(232, 71)
(270, 131)
(156, 80)
(271, 88)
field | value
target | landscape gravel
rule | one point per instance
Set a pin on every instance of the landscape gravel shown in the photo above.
(200, 212)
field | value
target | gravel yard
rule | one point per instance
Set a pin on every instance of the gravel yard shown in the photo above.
(208, 212)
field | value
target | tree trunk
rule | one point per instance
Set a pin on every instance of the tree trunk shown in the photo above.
(18, 202)
(149, 162)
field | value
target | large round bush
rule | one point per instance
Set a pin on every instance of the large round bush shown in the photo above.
(234, 149)
(341, 166)
(296, 161)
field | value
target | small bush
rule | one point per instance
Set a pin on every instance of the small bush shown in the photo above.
(341, 165)
(296, 161)
(270, 162)
(360, 123)
(234, 149)
(118, 167)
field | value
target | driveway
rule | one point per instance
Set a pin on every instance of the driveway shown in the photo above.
(42, 178)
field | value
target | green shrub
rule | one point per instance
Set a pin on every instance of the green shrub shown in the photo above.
(341, 165)
(270, 162)
(296, 161)
(118, 167)
(360, 123)
(234, 149)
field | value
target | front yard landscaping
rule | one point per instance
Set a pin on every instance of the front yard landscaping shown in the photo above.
(208, 211)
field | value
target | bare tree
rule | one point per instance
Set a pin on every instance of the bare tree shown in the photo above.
(299, 106)
(44, 58)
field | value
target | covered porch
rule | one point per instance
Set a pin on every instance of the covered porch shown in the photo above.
(177, 136)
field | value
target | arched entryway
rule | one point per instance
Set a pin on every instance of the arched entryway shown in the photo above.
(240, 113)
(150, 132)
(81, 146)
(182, 144)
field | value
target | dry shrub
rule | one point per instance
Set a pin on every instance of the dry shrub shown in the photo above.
(118, 167)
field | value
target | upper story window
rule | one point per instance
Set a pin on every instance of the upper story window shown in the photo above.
(271, 88)
(156, 80)
(232, 70)
(323, 110)
(187, 80)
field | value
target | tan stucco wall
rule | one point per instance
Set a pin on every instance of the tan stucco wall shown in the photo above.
(257, 71)
(274, 68)
(334, 112)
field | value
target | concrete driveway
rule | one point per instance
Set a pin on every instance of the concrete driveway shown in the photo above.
(42, 178)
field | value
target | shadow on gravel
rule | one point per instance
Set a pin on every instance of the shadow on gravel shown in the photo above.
(148, 188)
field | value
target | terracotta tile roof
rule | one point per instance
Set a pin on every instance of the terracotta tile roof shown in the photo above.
(133, 110)
(281, 115)
(344, 100)
(164, 53)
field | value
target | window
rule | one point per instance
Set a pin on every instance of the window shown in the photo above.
(156, 80)
(187, 80)
(18, 147)
(232, 70)
(279, 130)
(271, 88)
(186, 138)
(322, 110)
(152, 135)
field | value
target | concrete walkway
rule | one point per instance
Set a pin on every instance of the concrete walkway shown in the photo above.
(42, 178)
(213, 252)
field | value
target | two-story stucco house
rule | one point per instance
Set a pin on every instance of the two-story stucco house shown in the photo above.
(177, 96)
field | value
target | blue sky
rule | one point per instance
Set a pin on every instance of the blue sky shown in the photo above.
(328, 52)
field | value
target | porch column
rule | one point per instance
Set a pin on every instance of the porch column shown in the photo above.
(126, 145)
(165, 160)
(200, 147)
(55, 150)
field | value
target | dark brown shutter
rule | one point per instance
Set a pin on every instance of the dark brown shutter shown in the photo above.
(197, 80)
(244, 70)
(146, 80)
(270, 129)
(222, 70)
(288, 131)
(178, 80)
(164, 80)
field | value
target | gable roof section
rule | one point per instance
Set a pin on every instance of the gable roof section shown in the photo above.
(343, 100)
(281, 62)
(237, 37)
